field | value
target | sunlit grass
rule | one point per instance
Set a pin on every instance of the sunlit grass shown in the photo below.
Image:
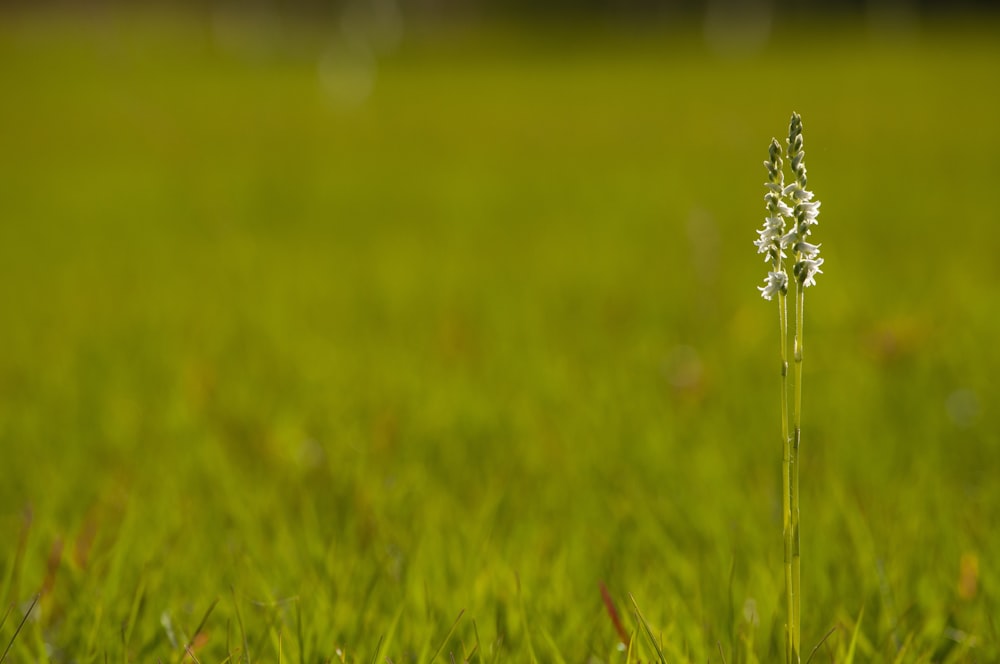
(416, 376)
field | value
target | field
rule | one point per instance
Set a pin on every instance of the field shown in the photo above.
(395, 347)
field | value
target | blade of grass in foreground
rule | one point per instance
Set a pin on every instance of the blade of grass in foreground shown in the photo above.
(849, 658)
(816, 647)
(648, 631)
(556, 655)
(245, 655)
(385, 644)
(524, 623)
(17, 631)
(444, 641)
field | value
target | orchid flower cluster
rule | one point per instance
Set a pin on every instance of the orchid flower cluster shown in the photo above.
(793, 203)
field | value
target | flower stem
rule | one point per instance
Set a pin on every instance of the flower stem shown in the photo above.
(796, 613)
(786, 479)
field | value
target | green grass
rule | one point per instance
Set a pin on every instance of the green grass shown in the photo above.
(412, 379)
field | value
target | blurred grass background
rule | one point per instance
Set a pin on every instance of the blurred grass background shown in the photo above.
(356, 324)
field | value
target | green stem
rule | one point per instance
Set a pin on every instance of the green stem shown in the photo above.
(786, 486)
(794, 475)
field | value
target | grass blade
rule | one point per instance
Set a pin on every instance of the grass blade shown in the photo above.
(378, 649)
(133, 613)
(630, 649)
(648, 631)
(475, 631)
(903, 650)
(849, 658)
(189, 648)
(556, 655)
(391, 633)
(298, 631)
(616, 621)
(447, 636)
(17, 631)
(239, 621)
(6, 614)
(524, 623)
(816, 647)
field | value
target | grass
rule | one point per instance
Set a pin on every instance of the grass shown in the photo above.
(407, 381)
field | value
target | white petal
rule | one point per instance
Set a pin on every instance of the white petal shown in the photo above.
(807, 249)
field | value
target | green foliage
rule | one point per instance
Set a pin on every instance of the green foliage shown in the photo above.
(411, 378)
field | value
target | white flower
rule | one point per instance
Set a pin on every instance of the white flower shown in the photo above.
(807, 269)
(789, 238)
(776, 282)
(808, 210)
(770, 235)
(770, 249)
(797, 192)
(806, 249)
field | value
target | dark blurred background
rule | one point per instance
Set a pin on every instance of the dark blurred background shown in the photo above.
(644, 8)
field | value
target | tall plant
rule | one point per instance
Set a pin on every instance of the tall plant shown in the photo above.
(784, 240)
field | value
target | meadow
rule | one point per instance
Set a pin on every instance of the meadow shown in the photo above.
(316, 349)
